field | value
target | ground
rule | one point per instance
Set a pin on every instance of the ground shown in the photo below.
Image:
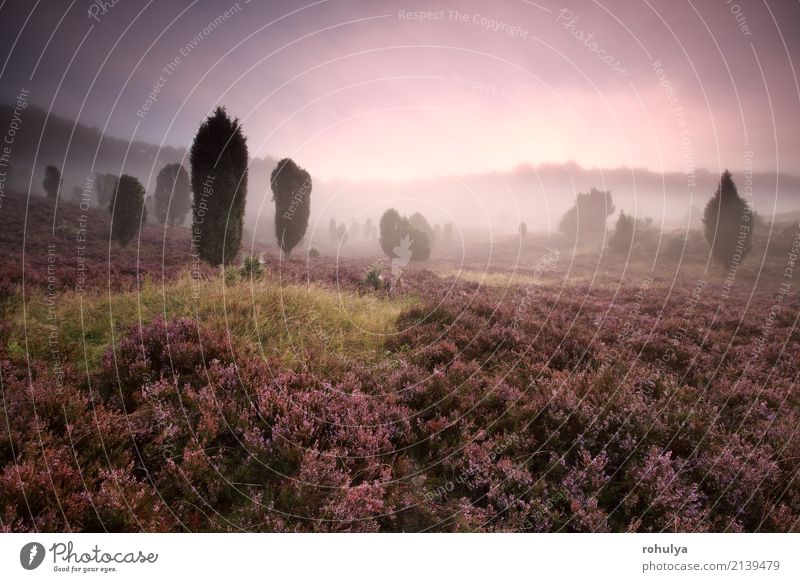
(518, 385)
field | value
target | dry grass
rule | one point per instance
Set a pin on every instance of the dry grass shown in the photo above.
(267, 317)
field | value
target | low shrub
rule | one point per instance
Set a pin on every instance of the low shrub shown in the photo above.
(251, 269)
(373, 278)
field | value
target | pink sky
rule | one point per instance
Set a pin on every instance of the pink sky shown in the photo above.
(366, 90)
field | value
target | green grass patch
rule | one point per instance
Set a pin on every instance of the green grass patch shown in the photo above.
(295, 323)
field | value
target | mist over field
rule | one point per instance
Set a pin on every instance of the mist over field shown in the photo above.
(493, 202)
(399, 267)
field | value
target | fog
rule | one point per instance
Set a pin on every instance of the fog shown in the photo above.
(495, 203)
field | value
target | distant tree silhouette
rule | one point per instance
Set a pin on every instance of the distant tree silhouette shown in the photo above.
(77, 194)
(421, 244)
(398, 232)
(367, 229)
(219, 186)
(448, 232)
(588, 215)
(728, 224)
(523, 230)
(291, 191)
(437, 233)
(52, 181)
(172, 198)
(333, 231)
(105, 185)
(622, 239)
(418, 222)
(128, 210)
(341, 234)
(355, 228)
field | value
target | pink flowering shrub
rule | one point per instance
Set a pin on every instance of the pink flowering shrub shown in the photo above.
(179, 349)
(78, 254)
(68, 461)
(635, 407)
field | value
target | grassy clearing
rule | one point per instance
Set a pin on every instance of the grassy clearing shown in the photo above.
(295, 323)
(613, 271)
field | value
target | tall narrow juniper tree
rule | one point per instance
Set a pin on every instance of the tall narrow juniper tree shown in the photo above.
(128, 210)
(291, 191)
(391, 230)
(728, 223)
(219, 187)
(172, 197)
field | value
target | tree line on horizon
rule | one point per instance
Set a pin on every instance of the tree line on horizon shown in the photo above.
(728, 222)
(215, 192)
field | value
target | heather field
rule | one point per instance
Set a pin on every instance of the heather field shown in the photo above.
(522, 384)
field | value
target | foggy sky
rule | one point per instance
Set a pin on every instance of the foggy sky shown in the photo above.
(362, 90)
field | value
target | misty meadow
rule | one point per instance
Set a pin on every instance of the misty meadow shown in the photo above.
(382, 282)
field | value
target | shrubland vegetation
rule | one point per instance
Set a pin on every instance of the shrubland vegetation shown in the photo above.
(300, 400)
(506, 387)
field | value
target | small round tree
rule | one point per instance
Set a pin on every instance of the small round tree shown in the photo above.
(128, 209)
(219, 186)
(52, 181)
(420, 242)
(291, 191)
(400, 239)
(728, 223)
(420, 223)
(172, 199)
(588, 215)
(523, 230)
(622, 239)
